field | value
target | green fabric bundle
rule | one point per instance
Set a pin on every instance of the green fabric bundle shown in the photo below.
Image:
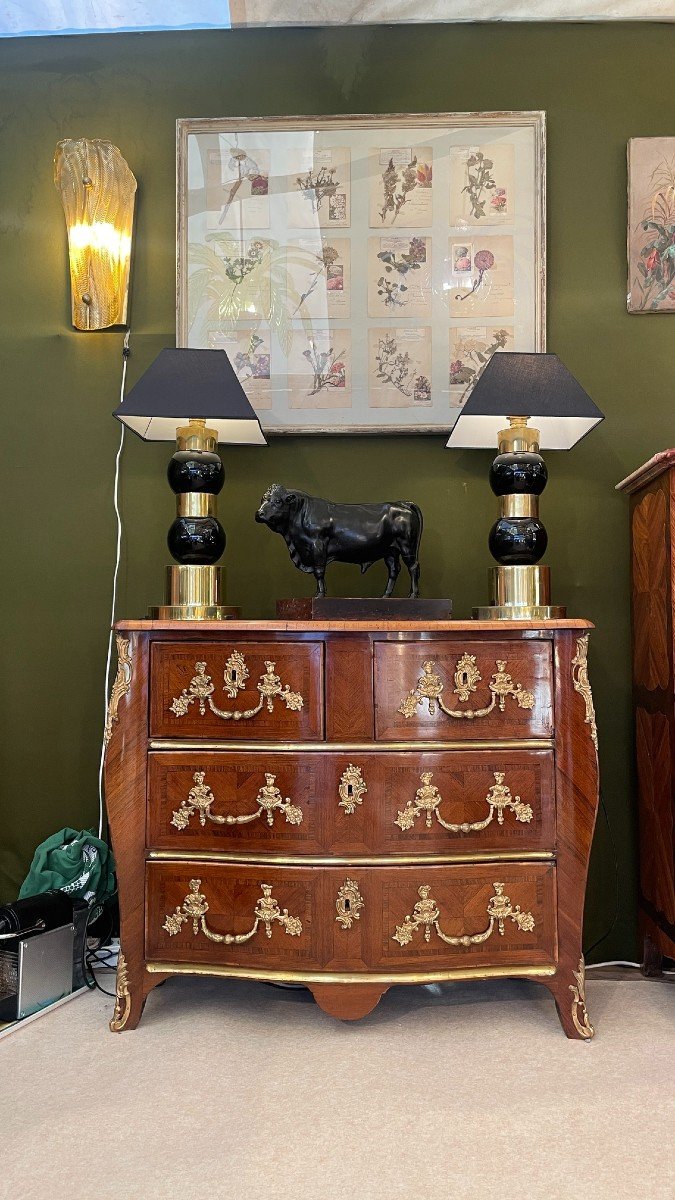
(77, 863)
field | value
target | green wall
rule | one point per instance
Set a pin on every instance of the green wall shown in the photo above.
(58, 387)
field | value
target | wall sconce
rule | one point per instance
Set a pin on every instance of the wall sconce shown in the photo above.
(97, 191)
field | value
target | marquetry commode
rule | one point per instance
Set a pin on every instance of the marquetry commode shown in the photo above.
(352, 805)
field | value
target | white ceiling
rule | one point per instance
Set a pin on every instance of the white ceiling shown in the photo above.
(23, 17)
(353, 12)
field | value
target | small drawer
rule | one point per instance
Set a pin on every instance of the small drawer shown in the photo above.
(468, 691)
(405, 803)
(237, 691)
(393, 920)
(236, 801)
(267, 918)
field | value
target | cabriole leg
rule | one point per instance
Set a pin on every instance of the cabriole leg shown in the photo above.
(568, 988)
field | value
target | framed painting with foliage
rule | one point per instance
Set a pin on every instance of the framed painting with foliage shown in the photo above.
(361, 271)
(651, 225)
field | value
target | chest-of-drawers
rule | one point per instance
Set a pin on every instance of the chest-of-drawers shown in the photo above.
(352, 805)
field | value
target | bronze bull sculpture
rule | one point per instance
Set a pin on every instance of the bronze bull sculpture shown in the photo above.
(318, 532)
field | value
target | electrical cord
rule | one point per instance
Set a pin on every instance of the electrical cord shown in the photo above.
(616, 962)
(89, 956)
(125, 358)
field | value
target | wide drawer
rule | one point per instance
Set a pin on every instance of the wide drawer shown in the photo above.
(296, 920)
(244, 690)
(450, 690)
(352, 804)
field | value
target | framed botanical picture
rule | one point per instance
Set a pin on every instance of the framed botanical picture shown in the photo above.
(361, 271)
(651, 225)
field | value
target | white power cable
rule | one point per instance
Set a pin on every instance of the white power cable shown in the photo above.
(620, 962)
(616, 962)
(118, 548)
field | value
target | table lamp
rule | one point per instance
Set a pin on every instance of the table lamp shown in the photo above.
(512, 389)
(177, 395)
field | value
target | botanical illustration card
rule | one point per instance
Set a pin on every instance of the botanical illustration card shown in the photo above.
(319, 278)
(651, 225)
(359, 272)
(318, 187)
(237, 188)
(401, 187)
(481, 276)
(320, 369)
(232, 280)
(249, 351)
(482, 188)
(399, 276)
(471, 349)
(399, 367)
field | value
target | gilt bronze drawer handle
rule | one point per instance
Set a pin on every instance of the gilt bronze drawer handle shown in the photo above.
(429, 687)
(200, 798)
(195, 908)
(352, 789)
(349, 904)
(428, 799)
(426, 913)
(236, 673)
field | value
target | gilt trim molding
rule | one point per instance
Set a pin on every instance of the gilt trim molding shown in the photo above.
(120, 687)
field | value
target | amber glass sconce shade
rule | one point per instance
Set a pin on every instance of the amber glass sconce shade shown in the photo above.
(97, 191)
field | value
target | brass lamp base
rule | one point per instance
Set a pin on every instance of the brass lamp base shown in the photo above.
(194, 593)
(520, 593)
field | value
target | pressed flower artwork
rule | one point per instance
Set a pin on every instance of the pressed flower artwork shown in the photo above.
(399, 276)
(481, 279)
(360, 271)
(249, 351)
(651, 225)
(401, 187)
(237, 187)
(319, 278)
(319, 368)
(317, 187)
(470, 351)
(400, 367)
(233, 280)
(482, 184)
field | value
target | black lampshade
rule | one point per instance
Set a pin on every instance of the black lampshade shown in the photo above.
(526, 385)
(182, 384)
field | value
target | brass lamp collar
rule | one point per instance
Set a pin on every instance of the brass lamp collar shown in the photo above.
(519, 437)
(196, 436)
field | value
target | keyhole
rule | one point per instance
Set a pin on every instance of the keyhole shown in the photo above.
(233, 676)
(346, 904)
(350, 789)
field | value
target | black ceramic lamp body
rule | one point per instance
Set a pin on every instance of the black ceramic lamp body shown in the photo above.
(540, 388)
(518, 537)
(519, 585)
(196, 536)
(180, 382)
(196, 539)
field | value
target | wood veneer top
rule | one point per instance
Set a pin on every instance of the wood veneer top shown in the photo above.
(286, 626)
(650, 470)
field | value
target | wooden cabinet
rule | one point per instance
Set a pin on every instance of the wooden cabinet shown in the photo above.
(352, 805)
(652, 521)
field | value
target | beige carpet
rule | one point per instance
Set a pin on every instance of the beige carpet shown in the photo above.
(239, 1091)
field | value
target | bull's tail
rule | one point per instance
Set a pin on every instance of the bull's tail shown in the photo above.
(420, 526)
(364, 567)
